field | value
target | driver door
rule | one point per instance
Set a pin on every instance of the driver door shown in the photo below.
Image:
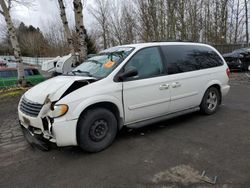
(146, 95)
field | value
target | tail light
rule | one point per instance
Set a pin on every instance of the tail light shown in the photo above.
(228, 72)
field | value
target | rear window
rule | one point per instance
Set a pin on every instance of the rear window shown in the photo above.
(185, 58)
(31, 72)
(28, 72)
(35, 72)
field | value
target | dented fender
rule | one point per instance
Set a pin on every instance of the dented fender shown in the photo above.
(75, 113)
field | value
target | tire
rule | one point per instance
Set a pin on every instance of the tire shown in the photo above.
(29, 84)
(210, 101)
(96, 130)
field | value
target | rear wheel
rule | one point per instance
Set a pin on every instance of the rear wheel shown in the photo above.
(210, 101)
(97, 129)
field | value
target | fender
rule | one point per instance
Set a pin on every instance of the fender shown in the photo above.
(97, 99)
(212, 82)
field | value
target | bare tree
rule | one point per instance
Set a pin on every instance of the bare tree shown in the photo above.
(66, 28)
(128, 21)
(80, 30)
(215, 21)
(101, 13)
(246, 17)
(14, 42)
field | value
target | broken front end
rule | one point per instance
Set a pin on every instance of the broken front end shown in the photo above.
(44, 122)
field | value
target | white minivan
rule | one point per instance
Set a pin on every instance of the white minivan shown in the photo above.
(131, 85)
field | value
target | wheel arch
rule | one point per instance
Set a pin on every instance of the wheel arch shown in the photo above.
(215, 84)
(113, 107)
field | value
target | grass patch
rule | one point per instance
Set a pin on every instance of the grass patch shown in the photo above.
(12, 92)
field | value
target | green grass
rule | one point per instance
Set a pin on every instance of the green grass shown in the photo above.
(12, 92)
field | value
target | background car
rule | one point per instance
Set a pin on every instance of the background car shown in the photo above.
(8, 76)
(3, 63)
(238, 59)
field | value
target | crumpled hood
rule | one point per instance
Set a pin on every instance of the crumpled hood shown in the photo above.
(54, 87)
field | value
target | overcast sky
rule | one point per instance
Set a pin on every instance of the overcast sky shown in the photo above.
(45, 10)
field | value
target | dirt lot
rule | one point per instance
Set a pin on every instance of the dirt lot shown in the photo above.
(169, 154)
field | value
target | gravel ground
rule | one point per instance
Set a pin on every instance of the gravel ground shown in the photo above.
(172, 153)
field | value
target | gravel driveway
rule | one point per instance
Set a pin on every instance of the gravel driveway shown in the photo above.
(171, 153)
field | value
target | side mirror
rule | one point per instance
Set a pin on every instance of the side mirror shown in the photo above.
(128, 73)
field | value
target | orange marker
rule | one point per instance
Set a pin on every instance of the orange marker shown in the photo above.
(109, 64)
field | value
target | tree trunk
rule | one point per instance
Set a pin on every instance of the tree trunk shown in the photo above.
(246, 12)
(80, 30)
(237, 22)
(14, 43)
(66, 28)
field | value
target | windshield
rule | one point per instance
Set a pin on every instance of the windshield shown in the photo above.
(102, 64)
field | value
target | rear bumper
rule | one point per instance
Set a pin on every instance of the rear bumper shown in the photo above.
(225, 90)
(235, 66)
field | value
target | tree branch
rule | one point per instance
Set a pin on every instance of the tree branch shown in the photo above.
(1, 12)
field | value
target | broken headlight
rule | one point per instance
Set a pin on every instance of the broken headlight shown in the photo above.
(59, 110)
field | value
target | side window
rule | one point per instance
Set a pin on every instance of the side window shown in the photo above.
(28, 72)
(180, 59)
(14, 73)
(185, 58)
(147, 62)
(6, 74)
(210, 59)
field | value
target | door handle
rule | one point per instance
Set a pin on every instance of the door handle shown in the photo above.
(176, 84)
(164, 86)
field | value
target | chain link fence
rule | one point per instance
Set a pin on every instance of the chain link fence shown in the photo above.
(37, 61)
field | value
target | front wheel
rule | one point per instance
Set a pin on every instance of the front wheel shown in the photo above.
(210, 101)
(97, 129)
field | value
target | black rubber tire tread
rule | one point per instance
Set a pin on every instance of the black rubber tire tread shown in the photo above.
(84, 124)
(203, 106)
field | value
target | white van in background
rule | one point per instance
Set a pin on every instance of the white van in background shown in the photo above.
(132, 85)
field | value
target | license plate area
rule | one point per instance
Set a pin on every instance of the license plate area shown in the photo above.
(26, 121)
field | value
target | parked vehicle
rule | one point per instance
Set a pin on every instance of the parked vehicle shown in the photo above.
(239, 59)
(50, 65)
(3, 63)
(8, 76)
(132, 85)
(9, 64)
(59, 65)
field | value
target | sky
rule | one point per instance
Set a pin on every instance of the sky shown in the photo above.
(43, 11)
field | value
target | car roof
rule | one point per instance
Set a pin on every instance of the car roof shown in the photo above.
(149, 44)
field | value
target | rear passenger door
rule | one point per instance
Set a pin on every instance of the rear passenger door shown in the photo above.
(187, 80)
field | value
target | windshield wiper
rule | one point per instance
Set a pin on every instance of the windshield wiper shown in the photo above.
(120, 54)
(94, 61)
(80, 71)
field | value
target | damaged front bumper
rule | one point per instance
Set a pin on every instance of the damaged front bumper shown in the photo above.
(41, 131)
(35, 140)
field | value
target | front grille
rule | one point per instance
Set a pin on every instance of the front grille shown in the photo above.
(30, 108)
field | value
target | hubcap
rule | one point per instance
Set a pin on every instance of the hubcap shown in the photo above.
(212, 100)
(98, 130)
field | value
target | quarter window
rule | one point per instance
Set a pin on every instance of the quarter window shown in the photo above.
(147, 62)
(185, 58)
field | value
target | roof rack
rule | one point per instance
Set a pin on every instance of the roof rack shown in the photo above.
(172, 40)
